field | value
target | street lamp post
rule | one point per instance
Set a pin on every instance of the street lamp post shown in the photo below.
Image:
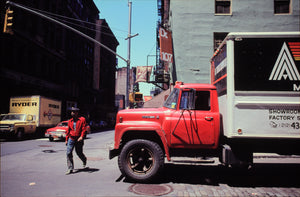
(128, 55)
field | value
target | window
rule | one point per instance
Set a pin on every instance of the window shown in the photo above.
(187, 98)
(222, 6)
(218, 39)
(202, 100)
(171, 102)
(282, 6)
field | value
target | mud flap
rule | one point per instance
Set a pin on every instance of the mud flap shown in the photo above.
(113, 153)
(238, 158)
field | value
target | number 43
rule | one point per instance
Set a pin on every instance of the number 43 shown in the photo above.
(295, 125)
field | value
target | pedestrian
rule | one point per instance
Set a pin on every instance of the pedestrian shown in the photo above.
(75, 138)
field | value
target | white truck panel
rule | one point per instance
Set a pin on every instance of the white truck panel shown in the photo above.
(266, 115)
(50, 111)
(253, 102)
(46, 111)
(25, 105)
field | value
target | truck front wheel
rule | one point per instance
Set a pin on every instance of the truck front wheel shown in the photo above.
(141, 160)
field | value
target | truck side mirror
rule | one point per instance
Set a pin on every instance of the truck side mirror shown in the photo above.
(29, 118)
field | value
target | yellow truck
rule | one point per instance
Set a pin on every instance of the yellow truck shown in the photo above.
(30, 115)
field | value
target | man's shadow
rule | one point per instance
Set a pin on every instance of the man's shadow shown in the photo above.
(87, 169)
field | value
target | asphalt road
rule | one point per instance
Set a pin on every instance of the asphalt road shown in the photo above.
(37, 168)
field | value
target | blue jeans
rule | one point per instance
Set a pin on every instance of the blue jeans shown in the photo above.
(78, 148)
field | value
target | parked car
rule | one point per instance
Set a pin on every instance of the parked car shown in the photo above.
(58, 132)
(102, 124)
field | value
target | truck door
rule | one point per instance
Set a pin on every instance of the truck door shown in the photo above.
(194, 127)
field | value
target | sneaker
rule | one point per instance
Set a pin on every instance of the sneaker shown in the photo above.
(84, 165)
(69, 172)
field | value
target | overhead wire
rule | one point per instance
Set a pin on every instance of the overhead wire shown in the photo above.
(70, 18)
(152, 48)
(58, 16)
(91, 29)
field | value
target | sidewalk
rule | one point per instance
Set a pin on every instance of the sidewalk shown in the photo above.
(273, 155)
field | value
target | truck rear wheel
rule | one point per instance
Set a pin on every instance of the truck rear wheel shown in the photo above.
(20, 134)
(141, 160)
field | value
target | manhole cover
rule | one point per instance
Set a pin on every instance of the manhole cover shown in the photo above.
(151, 190)
(49, 151)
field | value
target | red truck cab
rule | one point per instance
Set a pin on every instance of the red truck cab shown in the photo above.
(187, 124)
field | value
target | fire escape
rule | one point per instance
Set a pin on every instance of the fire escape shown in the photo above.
(161, 69)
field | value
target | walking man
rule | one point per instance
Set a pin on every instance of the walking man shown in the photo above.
(74, 138)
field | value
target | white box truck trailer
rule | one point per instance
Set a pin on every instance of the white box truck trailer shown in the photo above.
(30, 114)
(258, 83)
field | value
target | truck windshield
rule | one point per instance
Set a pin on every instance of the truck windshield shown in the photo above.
(14, 117)
(172, 100)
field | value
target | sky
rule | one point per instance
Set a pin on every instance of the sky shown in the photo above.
(143, 21)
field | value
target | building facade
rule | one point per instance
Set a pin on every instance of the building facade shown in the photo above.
(105, 64)
(44, 58)
(199, 26)
(121, 83)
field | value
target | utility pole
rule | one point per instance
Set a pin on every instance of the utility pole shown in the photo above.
(128, 55)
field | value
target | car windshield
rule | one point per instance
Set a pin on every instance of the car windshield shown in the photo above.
(63, 124)
(14, 117)
(172, 100)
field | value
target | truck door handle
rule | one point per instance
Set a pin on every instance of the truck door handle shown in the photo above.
(209, 118)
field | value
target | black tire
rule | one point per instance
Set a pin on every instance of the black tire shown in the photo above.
(51, 138)
(20, 134)
(141, 160)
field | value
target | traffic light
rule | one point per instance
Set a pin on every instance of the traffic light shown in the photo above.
(138, 97)
(8, 22)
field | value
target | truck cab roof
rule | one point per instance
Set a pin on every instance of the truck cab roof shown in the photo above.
(203, 86)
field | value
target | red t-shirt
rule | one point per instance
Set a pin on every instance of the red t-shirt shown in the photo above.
(79, 131)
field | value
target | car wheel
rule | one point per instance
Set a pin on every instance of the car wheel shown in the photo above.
(51, 138)
(141, 160)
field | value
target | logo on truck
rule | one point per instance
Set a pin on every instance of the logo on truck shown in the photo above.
(285, 66)
(49, 114)
(24, 104)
